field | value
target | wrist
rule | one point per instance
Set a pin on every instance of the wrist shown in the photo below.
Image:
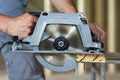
(5, 23)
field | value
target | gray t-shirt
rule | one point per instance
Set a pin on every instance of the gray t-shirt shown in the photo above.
(12, 7)
(20, 66)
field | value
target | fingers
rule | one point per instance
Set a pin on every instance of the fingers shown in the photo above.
(97, 30)
(100, 31)
(35, 19)
(23, 33)
(27, 28)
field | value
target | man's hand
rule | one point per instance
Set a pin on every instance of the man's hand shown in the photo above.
(21, 26)
(67, 6)
(97, 30)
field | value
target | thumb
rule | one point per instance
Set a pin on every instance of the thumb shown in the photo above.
(35, 19)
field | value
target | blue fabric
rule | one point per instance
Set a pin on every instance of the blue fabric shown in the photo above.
(12, 7)
(20, 66)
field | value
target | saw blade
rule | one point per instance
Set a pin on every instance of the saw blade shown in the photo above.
(70, 33)
(67, 31)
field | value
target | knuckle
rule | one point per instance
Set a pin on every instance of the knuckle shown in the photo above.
(31, 16)
(26, 15)
(103, 32)
(28, 31)
(26, 35)
(30, 24)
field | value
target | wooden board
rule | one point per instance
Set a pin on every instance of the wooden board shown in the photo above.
(99, 58)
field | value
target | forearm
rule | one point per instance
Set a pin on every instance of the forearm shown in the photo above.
(66, 6)
(4, 22)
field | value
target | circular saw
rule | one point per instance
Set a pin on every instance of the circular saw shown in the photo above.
(57, 39)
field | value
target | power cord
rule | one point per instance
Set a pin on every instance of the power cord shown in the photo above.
(9, 43)
(15, 39)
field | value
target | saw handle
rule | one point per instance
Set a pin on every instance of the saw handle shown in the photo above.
(37, 14)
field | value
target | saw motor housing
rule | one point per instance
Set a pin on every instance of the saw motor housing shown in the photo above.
(69, 24)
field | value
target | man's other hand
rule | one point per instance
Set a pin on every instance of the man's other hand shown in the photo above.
(97, 30)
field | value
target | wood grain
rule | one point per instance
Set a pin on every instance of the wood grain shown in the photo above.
(99, 58)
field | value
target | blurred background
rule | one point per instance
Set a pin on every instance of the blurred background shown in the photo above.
(106, 14)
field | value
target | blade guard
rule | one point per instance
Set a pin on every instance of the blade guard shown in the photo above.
(68, 64)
